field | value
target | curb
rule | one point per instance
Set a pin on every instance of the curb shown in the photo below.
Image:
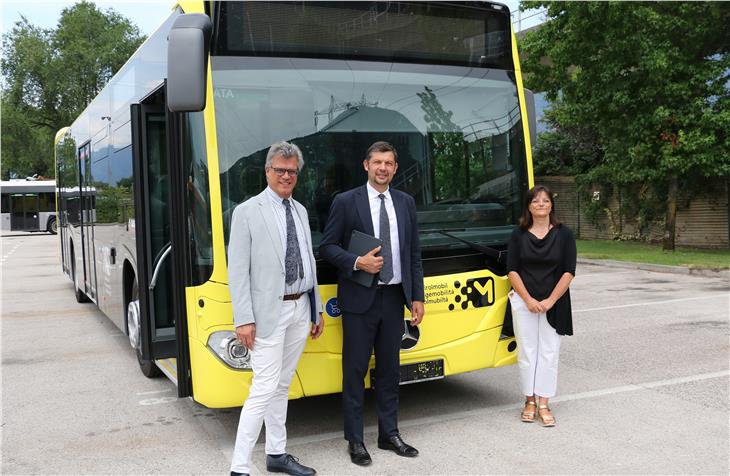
(659, 268)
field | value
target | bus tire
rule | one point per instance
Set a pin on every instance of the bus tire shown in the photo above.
(52, 227)
(134, 331)
(80, 295)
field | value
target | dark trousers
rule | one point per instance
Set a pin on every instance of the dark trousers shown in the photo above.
(381, 328)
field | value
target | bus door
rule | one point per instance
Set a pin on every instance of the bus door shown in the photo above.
(87, 207)
(24, 212)
(153, 230)
(161, 286)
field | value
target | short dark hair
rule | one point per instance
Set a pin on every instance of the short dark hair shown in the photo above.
(382, 146)
(526, 219)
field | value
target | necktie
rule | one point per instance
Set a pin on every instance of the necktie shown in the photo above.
(386, 272)
(293, 260)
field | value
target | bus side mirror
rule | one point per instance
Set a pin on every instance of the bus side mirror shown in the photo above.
(187, 62)
(531, 118)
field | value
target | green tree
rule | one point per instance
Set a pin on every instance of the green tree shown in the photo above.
(566, 148)
(51, 75)
(651, 78)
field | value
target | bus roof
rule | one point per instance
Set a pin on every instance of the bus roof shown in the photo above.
(27, 186)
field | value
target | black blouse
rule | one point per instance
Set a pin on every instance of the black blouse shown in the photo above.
(541, 263)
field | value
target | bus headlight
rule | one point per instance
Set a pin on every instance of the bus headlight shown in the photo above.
(225, 345)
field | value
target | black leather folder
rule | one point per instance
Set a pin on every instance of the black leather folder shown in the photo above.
(361, 244)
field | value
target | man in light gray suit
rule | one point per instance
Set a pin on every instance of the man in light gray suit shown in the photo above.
(273, 283)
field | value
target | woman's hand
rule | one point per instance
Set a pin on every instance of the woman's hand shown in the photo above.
(547, 304)
(535, 306)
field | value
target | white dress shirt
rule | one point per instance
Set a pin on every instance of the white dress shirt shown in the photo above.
(375, 203)
(301, 285)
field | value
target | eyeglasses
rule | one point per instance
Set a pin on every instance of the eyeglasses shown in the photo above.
(281, 172)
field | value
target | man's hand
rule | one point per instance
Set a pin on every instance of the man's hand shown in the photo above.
(318, 328)
(246, 335)
(417, 312)
(369, 262)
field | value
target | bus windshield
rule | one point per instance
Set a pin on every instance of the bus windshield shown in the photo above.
(457, 130)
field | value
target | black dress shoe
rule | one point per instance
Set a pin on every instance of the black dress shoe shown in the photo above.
(396, 444)
(358, 454)
(288, 464)
(233, 473)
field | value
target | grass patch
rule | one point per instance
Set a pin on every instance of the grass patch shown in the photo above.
(646, 253)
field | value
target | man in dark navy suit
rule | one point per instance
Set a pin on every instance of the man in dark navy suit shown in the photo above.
(373, 316)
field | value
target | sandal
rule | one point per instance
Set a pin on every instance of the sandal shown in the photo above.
(528, 417)
(546, 420)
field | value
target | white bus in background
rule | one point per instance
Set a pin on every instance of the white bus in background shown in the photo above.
(28, 205)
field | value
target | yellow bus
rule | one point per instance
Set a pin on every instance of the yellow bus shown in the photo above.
(149, 174)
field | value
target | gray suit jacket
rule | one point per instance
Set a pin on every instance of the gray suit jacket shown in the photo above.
(256, 264)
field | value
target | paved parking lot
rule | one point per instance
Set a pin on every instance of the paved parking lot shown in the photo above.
(643, 389)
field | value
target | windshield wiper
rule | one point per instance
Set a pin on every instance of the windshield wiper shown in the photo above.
(500, 256)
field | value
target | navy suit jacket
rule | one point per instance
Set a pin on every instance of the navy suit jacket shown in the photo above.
(351, 211)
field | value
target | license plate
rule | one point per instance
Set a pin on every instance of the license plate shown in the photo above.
(418, 372)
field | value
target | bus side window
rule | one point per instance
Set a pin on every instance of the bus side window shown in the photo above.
(46, 202)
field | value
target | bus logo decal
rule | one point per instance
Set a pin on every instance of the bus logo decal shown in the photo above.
(478, 291)
(333, 310)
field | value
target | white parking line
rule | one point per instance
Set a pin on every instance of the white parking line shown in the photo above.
(652, 303)
(158, 400)
(640, 386)
(304, 440)
(153, 392)
(579, 275)
(9, 253)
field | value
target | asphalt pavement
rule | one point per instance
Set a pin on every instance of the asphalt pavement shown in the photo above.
(643, 389)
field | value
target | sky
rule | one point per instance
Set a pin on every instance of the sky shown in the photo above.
(148, 15)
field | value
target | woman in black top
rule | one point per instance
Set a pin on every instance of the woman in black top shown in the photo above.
(541, 265)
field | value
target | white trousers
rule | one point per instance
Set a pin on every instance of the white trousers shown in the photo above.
(273, 360)
(538, 347)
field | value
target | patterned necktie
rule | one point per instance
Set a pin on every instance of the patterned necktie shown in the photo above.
(386, 272)
(293, 260)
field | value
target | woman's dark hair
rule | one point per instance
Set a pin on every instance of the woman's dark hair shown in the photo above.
(526, 219)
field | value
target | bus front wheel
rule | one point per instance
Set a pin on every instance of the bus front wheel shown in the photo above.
(134, 330)
(52, 227)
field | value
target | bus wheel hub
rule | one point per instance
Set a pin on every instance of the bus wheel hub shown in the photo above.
(133, 323)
